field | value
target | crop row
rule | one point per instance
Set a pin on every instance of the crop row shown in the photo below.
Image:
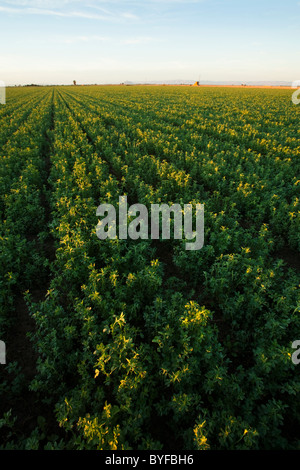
(141, 344)
(143, 357)
(23, 259)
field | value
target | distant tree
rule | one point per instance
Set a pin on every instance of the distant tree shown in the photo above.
(74, 82)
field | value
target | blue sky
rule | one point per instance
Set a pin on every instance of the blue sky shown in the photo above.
(98, 41)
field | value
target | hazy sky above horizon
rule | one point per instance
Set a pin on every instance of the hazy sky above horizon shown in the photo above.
(98, 41)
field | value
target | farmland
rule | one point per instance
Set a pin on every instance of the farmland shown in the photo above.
(140, 344)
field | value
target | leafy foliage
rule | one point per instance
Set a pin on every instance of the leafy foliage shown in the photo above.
(141, 344)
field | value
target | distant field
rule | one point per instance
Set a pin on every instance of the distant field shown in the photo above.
(140, 344)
